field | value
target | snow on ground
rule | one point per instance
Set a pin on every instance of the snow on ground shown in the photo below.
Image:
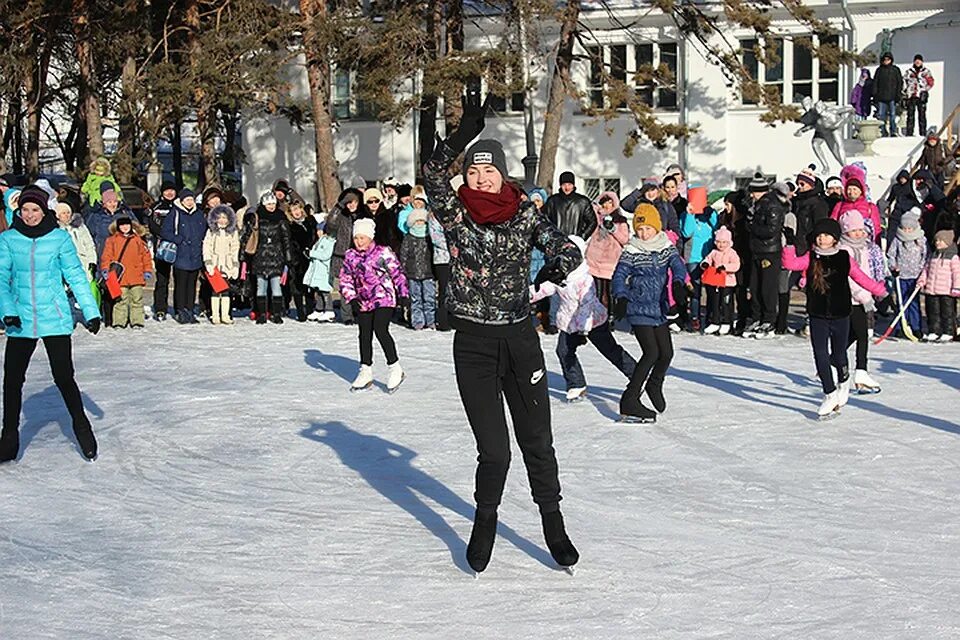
(242, 492)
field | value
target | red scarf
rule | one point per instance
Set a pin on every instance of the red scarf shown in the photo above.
(491, 208)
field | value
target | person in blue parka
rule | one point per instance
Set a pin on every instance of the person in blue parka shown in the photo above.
(185, 226)
(639, 289)
(36, 258)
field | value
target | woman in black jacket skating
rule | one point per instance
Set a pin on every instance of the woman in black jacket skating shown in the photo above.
(491, 234)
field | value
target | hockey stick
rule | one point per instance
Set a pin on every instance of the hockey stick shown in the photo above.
(893, 325)
(904, 325)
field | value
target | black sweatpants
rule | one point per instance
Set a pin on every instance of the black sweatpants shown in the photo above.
(859, 333)
(16, 359)
(829, 338)
(184, 289)
(720, 305)
(488, 370)
(742, 294)
(376, 322)
(941, 315)
(765, 286)
(441, 272)
(161, 289)
(657, 352)
(602, 338)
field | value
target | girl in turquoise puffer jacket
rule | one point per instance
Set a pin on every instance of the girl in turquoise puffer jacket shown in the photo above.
(36, 257)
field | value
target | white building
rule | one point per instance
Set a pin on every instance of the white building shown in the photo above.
(731, 142)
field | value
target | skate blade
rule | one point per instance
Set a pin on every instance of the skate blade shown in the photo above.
(569, 571)
(359, 389)
(577, 400)
(867, 391)
(829, 416)
(636, 420)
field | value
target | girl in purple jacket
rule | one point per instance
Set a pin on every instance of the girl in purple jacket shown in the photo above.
(373, 284)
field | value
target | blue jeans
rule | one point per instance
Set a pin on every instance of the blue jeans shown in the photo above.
(912, 315)
(274, 282)
(423, 303)
(888, 111)
(602, 338)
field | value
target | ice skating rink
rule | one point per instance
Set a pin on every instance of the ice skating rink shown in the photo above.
(242, 492)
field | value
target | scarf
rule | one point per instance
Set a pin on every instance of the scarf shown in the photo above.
(47, 224)
(909, 236)
(655, 244)
(832, 251)
(490, 208)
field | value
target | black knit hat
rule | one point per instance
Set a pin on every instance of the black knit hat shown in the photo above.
(918, 57)
(567, 177)
(486, 152)
(186, 193)
(105, 186)
(124, 220)
(828, 226)
(758, 184)
(404, 190)
(35, 195)
(167, 184)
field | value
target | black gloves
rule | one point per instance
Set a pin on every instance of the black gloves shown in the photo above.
(608, 223)
(471, 124)
(790, 235)
(94, 326)
(403, 301)
(721, 269)
(704, 265)
(549, 272)
(355, 307)
(619, 308)
(894, 272)
(12, 321)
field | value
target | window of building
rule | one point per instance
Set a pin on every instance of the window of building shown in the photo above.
(346, 104)
(797, 73)
(623, 61)
(593, 187)
(514, 103)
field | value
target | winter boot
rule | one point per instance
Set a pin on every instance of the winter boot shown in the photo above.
(9, 444)
(276, 311)
(225, 316)
(562, 550)
(301, 310)
(484, 533)
(654, 391)
(364, 379)
(863, 383)
(830, 404)
(395, 376)
(84, 434)
(260, 308)
(215, 310)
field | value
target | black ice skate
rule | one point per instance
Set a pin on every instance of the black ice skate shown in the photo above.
(484, 533)
(562, 550)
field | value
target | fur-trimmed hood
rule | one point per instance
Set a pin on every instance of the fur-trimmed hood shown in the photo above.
(214, 213)
(138, 228)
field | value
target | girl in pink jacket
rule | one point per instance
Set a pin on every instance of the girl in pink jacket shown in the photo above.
(855, 199)
(582, 317)
(720, 299)
(940, 283)
(606, 244)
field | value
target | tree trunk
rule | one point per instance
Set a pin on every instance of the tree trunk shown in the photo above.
(124, 161)
(452, 107)
(318, 75)
(89, 100)
(176, 142)
(206, 111)
(34, 82)
(230, 123)
(427, 130)
(559, 88)
(11, 121)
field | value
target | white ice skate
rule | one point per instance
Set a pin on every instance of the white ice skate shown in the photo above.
(945, 337)
(576, 395)
(724, 330)
(327, 316)
(364, 379)
(711, 329)
(843, 391)
(931, 337)
(395, 377)
(863, 383)
(675, 328)
(315, 316)
(830, 407)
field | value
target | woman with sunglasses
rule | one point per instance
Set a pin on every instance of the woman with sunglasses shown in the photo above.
(387, 233)
(491, 233)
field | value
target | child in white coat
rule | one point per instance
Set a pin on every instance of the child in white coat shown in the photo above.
(581, 317)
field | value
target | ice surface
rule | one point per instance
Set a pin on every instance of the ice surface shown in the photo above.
(243, 492)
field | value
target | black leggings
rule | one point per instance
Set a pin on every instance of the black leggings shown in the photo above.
(657, 352)
(161, 290)
(859, 333)
(184, 289)
(16, 359)
(376, 322)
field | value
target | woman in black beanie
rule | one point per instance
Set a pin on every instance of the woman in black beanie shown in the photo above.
(491, 233)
